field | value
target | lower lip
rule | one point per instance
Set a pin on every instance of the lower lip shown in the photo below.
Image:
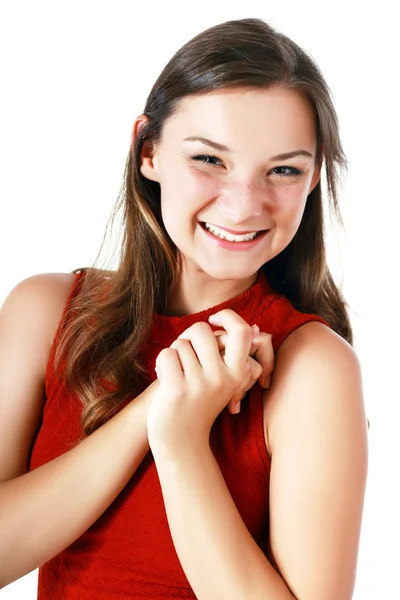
(236, 245)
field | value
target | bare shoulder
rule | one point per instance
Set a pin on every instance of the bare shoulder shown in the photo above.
(318, 443)
(44, 282)
(37, 303)
(41, 286)
(313, 355)
(28, 321)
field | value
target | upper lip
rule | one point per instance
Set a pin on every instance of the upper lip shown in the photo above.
(235, 232)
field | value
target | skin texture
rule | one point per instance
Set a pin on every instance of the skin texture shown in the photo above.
(314, 418)
(28, 321)
(244, 190)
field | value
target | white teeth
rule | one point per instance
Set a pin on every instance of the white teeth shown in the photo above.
(221, 233)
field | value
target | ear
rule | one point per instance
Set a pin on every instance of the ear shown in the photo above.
(148, 163)
(317, 174)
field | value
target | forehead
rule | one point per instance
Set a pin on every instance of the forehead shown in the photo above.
(238, 117)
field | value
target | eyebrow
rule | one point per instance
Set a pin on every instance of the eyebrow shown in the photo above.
(222, 148)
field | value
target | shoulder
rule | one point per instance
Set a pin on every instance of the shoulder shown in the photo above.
(36, 284)
(28, 321)
(42, 290)
(34, 308)
(318, 441)
(315, 369)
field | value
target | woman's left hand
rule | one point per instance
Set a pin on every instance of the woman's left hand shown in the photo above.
(261, 361)
(197, 381)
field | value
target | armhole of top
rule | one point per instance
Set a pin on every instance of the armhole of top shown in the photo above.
(52, 380)
(258, 425)
(280, 336)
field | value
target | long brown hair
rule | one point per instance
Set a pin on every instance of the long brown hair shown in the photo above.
(108, 322)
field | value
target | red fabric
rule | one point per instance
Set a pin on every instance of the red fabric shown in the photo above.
(128, 552)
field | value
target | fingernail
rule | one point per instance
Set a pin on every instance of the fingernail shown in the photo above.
(255, 330)
(237, 408)
(267, 382)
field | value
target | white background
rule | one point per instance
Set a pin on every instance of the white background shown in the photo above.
(74, 76)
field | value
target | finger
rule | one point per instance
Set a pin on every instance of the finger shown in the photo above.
(238, 341)
(221, 337)
(263, 352)
(204, 344)
(168, 367)
(187, 356)
(234, 405)
(252, 373)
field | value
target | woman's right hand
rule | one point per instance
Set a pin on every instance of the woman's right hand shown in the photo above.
(261, 364)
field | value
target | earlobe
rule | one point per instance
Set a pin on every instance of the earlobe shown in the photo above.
(148, 167)
(316, 176)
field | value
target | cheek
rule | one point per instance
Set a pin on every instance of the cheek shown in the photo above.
(288, 203)
(189, 184)
(183, 198)
(201, 186)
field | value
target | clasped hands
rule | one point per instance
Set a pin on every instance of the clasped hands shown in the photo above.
(201, 373)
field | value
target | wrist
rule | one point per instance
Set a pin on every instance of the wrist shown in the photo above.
(181, 449)
(138, 408)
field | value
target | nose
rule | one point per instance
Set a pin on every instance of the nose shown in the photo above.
(242, 202)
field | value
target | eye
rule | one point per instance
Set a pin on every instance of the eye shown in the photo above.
(286, 171)
(207, 159)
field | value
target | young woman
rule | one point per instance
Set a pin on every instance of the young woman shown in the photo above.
(123, 474)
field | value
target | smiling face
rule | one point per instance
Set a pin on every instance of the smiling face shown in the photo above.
(239, 160)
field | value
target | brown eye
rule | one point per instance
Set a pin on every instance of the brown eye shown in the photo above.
(286, 171)
(207, 159)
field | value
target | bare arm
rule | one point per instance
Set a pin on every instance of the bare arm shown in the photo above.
(318, 440)
(43, 502)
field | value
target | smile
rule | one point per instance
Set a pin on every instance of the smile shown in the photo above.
(231, 237)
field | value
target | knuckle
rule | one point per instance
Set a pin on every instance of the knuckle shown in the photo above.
(258, 372)
(180, 343)
(165, 353)
(244, 331)
(243, 328)
(201, 327)
(265, 335)
(268, 365)
(267, 362)
(164, 356)
(236, 379)
(265, 339)
(225, 311)
(256, 367)
(218, 381)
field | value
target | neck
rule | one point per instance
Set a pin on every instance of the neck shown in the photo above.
(200, 291)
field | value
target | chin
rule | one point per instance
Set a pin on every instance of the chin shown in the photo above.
(230, 273)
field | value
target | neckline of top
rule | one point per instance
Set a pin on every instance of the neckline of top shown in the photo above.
(255, 293)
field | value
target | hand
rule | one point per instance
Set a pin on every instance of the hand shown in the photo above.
(197, 381)
(263, 353)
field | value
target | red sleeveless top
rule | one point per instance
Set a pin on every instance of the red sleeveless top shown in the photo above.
(128, 552)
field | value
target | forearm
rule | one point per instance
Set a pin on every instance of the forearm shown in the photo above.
(219, 556)
(45, 510)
